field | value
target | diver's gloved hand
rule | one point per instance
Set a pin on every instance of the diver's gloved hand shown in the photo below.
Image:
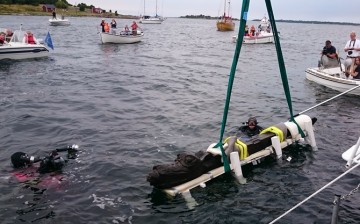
(72, 148)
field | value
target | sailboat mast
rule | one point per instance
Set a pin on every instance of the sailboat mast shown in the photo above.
(229, 10)
(224, 8)
(156, 9)
(144, 8)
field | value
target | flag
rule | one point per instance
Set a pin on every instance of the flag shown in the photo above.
(48, 41)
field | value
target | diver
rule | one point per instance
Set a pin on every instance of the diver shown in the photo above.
(250, 129)
(244, 133)
(50, 163)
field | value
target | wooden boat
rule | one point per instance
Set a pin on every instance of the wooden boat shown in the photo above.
(121, 38)
(225, 23)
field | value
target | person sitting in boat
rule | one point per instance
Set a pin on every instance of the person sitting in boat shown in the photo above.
(134, 28)
(329, 57)
(352, 49)
(8, 34)
(29, 38)
(355, 72)
(2, 38)
(252, 31)
(126, 30)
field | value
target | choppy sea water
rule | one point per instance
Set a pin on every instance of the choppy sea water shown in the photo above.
(130, 107)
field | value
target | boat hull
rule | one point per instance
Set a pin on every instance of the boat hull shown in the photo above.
(25, 51)
(59, 22)
(120, 39)
(332, 78)
(261, 39)
(225, 26)
(151, 21)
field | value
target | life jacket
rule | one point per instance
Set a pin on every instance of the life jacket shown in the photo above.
(134, 26)
(30, 39)
(106, 27)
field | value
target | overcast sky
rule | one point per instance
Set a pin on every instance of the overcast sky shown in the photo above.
(320, 10)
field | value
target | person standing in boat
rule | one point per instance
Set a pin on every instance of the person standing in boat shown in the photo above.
(134, 28)
(329, 57)
(102, 24)
(54, 14)
(352, 49)
(113, 26)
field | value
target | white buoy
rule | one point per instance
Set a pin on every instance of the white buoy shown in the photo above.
(310, 138)
(235, 162)
(190, 201)
(275, 141)
(353, 154)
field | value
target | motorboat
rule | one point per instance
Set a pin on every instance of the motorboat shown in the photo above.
(59, 21)
(19, 47)
(333, 78)
(260, 38)
(123, 37)
(263, 36)
(225, 22)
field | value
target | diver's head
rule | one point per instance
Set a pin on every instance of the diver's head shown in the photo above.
(252, 122)
(19, 159)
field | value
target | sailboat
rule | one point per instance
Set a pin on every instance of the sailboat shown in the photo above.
(225, 23)
(151, 19)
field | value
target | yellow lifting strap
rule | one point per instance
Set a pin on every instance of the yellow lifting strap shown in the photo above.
(278, 132)
(243, 151)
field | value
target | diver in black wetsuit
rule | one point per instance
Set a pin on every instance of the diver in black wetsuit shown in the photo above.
(244, 132)
(250, 129)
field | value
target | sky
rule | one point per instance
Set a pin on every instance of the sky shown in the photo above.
(319, 10)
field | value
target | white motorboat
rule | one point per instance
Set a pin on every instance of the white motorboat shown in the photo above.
(263, 36)
(333, 78)
(20, 47)
(260, 38)
(121, 38)
(59, 21)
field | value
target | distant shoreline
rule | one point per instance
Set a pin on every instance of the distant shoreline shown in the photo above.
(315, 22)
(279, 20)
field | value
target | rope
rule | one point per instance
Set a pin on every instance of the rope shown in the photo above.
(318, 191)
(355, 87)
(282, 64)
(243, 16)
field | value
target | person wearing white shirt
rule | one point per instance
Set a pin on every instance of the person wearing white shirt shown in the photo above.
(352, 49)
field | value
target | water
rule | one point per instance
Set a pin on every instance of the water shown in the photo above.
(130, 107)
